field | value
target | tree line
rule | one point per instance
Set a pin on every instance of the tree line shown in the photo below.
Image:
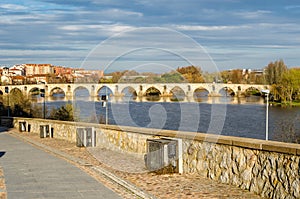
(285, 82)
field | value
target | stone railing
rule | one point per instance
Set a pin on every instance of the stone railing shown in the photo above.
(268, 168)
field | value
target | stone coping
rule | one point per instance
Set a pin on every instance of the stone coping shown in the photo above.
(271, 146)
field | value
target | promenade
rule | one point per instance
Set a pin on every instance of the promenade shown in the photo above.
(30, 172)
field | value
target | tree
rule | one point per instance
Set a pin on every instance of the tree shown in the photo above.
(289, 85)
(64, 113)
(236, 76)
(192, 74)
(172, 77)
(19, 104)
(274, 72)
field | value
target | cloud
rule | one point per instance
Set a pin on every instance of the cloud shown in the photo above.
(79, 25)
(292, 7)
(253, 14)
(208, 28)
(117, 13)
(14, 7)
(111, 28)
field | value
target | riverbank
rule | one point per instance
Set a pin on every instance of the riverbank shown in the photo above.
(279, 104)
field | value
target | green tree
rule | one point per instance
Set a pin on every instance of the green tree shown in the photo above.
(64, 113)
(19, 104)
(172, 77)
(289, 85)
(274, 72)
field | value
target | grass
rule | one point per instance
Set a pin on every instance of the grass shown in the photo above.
(293, 104)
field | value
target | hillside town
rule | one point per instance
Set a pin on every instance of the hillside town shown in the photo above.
(46, 73)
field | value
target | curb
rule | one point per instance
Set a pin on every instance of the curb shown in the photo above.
(127, 185)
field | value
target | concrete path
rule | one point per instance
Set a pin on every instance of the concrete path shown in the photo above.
(32, 173)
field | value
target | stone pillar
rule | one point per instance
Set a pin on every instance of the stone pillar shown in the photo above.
(189, 93)
(141, 93)
(69, 92)
(46, 91)
(92, 92)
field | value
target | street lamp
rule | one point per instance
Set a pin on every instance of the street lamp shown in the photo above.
(267, 92)
(7, 91)
(104, 99)
(44, 103)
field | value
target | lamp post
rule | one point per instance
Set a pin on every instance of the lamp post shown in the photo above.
(104, 99)
(106, 111)
(44, 103)
(7, 91)
(267, 92)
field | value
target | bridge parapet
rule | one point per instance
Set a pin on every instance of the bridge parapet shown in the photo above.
(213, 89)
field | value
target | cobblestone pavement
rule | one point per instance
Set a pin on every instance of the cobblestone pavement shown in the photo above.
(132, 169)
(167, 185)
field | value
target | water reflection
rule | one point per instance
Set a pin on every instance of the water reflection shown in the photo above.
(183, 99)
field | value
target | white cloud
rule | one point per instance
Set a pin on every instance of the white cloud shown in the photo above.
(208, 28)
(13, 7)
(252, 15)
(290, 7)
(115, 28)
(118, 13)
(29, 18)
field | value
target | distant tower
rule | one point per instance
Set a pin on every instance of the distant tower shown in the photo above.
(5, 71)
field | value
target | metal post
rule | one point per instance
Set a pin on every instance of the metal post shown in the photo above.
(7, 91)
(8, 105)
(44, 107)
(267, 92)
(106, 108)
(43, 93)
(267, 117)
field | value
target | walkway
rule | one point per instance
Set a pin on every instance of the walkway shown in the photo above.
(125, 173)
(33, 173)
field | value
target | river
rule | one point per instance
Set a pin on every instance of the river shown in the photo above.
(244, 117)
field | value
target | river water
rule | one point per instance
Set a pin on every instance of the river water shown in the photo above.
(244, 117)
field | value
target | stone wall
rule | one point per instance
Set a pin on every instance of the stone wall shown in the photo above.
(269, 174)
(270, 169)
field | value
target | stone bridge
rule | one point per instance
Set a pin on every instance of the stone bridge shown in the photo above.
(163, 89)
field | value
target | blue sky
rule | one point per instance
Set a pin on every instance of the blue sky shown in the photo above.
(234, 33)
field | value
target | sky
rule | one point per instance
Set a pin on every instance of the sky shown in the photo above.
(150, 34)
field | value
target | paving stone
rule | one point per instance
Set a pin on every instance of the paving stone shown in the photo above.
(26, 170)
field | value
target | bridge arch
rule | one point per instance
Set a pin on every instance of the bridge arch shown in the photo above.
(57, 90)
(152, 91)
(227, 91)
(104, 90)
(34, 91)
(129, 91)
(201, 92)
(81, 91)
(177, 93)
(252, 91)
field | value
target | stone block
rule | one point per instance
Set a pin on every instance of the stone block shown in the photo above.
(298, 152)
(248, 143)
(280, 148)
